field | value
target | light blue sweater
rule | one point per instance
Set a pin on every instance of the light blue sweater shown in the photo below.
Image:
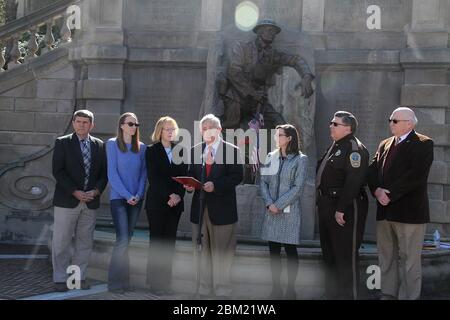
(127, 172)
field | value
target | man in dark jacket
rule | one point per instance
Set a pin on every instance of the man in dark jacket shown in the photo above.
(342, 206)
(398, 179)
(79, 167)
(220, 164)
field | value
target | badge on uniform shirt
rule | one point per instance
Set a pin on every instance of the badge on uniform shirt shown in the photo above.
(355, 159)
(338, 153)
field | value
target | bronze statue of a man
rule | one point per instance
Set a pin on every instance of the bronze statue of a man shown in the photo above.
(250, 72)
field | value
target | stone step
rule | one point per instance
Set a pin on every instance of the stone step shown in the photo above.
(251, 268)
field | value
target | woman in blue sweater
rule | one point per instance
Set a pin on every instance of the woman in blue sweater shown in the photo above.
(127, 174)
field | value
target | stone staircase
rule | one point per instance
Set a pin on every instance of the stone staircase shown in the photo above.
(250, 273)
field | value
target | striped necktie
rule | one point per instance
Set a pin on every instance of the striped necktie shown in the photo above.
(86, 161)
(209, 160)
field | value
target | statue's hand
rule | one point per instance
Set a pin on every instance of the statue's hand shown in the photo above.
(306, 85)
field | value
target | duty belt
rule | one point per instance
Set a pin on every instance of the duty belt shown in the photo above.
(332, 192)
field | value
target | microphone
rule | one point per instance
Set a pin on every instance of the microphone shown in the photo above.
(203, 170)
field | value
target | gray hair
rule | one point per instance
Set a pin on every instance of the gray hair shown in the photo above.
(212, 119)
(348, 119)
(410, 112)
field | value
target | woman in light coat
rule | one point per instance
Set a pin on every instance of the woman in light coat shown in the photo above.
(282, 179)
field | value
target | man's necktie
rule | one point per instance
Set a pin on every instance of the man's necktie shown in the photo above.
(322, 166)
(86, 161)
(209, 160)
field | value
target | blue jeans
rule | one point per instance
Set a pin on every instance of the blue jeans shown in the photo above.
(125, 217)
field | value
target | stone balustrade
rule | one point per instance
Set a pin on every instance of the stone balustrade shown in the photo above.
(12, 33)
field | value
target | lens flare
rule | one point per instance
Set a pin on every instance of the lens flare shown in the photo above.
(246, 15)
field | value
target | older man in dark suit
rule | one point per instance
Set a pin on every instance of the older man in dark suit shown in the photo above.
(398, 179)
(222, 171)
(79, 167)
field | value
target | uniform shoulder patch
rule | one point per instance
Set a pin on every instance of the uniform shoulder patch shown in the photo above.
(355, 159)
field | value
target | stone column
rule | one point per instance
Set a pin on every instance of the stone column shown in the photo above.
(429, 25)
(211, 18)
(427, 88)
(313, 15)
(102, 53)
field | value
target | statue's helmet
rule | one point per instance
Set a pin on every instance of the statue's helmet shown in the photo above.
(266, 22)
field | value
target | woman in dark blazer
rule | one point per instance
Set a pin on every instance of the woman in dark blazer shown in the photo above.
(164, 203)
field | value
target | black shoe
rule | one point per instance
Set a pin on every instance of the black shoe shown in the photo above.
(276, 294)
(158, 292)
(169, 292)
(130, 289)
(61, 287)
(290, 294)
(85, 285)
(117, 291)
(387, 297)
(161, 291)
(210, 296)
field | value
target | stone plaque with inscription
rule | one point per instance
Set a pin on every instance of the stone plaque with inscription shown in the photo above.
(171, 15)
(160, 91)
(351, 15)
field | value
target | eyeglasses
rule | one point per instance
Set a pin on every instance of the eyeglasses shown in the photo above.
(130, 124)
(395, 121)
(338, 124)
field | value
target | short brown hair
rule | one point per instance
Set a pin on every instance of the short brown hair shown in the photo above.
(84, 114)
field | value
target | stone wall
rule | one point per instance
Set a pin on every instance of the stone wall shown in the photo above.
(155, 57)
(36, 103)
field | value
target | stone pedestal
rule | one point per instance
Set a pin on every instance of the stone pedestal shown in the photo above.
(160, 57)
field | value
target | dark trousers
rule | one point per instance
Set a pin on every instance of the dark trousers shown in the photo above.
(275, 263)
(340, 246)
(163, 231)
(125, 217)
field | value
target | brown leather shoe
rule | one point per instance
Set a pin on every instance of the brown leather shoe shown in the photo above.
(387, 297)
(61, 287)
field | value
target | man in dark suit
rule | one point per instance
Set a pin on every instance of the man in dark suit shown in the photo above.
(79, 167)
(398, 179)
(223, 171)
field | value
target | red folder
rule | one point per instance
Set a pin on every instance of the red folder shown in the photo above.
(189, 181)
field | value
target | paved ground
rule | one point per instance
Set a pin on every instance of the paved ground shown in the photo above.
(26, 273)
